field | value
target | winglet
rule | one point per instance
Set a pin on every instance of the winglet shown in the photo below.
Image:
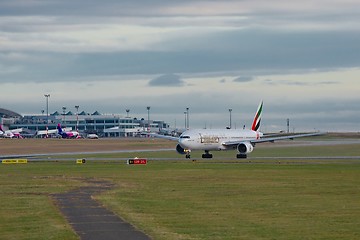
(256, 123)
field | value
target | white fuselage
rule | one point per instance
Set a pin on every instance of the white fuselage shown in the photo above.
(11, 133)
(214, 139)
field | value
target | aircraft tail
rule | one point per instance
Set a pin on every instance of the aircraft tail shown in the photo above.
(59, 128)
(1, 129)
(256, 123)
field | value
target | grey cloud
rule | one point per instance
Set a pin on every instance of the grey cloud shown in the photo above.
(115, 7)
(238, 14)
(244, 79)
(270, 82)
(168, 80)
(246, 50)
(314, 83)
(86, 7)
(298, 83)
(328, 82)
(245, 47)
(256, 52)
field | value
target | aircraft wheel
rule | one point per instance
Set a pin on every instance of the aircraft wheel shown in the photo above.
(207, 155)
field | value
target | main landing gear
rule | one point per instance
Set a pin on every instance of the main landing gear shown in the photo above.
(207, 154)
(241, 155)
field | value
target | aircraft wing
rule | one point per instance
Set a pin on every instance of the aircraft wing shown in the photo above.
(273, 139)
(18, 130)
(43, 132)
(162, 136)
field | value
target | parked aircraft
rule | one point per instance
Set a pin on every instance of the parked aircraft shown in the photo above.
(243, 140)
(92, 136)
(43, 133)
(67, 134)
(46, 132)
(15, 133)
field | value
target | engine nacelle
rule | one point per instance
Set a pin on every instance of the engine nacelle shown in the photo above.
(245, 147)
(180, 149)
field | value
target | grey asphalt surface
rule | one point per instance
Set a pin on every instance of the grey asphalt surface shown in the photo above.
(92, 221)
(288, 143)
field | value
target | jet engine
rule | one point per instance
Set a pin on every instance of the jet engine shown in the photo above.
(245, 147)
(180, 149)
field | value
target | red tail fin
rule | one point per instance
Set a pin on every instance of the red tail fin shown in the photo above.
(256, 123)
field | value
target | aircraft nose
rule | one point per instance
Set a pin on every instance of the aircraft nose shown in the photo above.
(183, 141)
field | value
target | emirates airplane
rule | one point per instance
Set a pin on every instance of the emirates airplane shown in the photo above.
(243, 140)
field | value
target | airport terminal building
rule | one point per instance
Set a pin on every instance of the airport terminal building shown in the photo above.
(104, 125)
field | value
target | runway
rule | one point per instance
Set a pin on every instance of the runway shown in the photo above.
(42, 156)
(61, 156)
(75, 146)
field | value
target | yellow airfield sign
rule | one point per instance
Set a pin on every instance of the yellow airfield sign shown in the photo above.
(14, 161)
(80, 161)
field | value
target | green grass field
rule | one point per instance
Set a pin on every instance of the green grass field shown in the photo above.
(216, 199)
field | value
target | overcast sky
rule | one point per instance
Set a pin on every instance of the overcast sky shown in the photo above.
(301, 57)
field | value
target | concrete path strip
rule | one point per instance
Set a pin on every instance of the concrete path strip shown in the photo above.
(92, 221)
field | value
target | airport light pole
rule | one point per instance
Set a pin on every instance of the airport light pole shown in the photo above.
(77, 117)
(47, 96)
(47, 108)
(64, 110)
(230, 110)
(187, 117)
(127, 112)
(288, 125)
(148, 110)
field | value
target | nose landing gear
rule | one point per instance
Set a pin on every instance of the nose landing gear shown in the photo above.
(187, 152)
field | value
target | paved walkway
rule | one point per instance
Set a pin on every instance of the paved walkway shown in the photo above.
(92, 221)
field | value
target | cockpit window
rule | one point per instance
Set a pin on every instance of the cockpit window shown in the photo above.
(185, 136)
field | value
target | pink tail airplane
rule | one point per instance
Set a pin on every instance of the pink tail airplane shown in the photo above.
(15, 133)
(67, 134)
